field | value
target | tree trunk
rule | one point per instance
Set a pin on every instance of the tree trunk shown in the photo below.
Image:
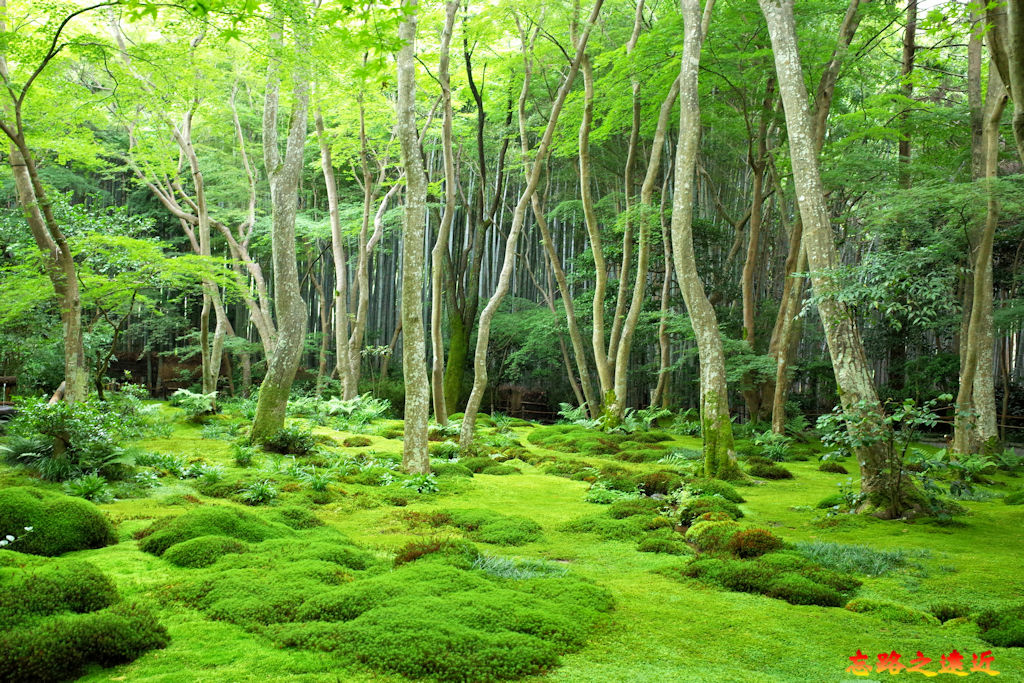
(644, 219)
(719, 453)
(787, 331)
(284, 174)
(415, 458)
(343, 362)
(441, 244)
(975, 421)
(518, 216)
(853, 375)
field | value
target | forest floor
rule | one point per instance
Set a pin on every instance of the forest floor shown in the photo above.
(662, 628)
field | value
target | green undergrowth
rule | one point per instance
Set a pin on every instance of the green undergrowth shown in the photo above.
(244, 590)
(438, 615)
(58, 616)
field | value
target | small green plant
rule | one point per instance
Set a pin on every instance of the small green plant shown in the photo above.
(774, 447)
(195, 406)
(259, 492)
(423, 483)
(316, 481)
(91, 487)
(291, 440)
(518, 568)
(243, 455)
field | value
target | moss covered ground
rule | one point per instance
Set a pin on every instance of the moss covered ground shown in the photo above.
(664, 626)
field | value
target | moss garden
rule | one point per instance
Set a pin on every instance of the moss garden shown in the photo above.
(554, 553)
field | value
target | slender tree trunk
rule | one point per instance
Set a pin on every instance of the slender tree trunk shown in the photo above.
(660, 395)
(786, 334)
(719, 452)
(284, 173)
(975, 421)
(344, 361)
(518, 216)
(645, 220)
(441, 244)
(853, 374)
(415, 458)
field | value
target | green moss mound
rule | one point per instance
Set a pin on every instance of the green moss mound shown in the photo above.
(486, 526)
(715, 487)
(203, 551)
(833, 468)
(59, 523)
(769, 471)
(356, 441)
(1014, 498)
(669, 544)
(57, 616)
(892, 611)
(694, 508)
(783, 575)
(297, 517)
(430, 617)
(712, 536)
(34, 588)
(451, 469)
(754, 543)
(208, 521)
(58, 648)
(1003, 627)
(500, 470)
(627, 508)
(662, 483)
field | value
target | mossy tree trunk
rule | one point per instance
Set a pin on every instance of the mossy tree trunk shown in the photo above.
(853, 375)
(719, 451)
(415, 457)
(284, 173)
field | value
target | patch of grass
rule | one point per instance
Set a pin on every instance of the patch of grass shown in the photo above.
(860, 559)
(892, 611)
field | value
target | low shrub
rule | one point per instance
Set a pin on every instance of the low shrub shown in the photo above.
(1003, 626)
(662, 483)
(714, 487)
(944, 611)
(90, 486)
(712, 536)
(291, 440)
(456, 552)
(892, 611)
(753, 543)
(59, 523)
(259, 492)
(669, 545)
(203, 551)
(208, 521)
(832, 467)
(769, 471)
